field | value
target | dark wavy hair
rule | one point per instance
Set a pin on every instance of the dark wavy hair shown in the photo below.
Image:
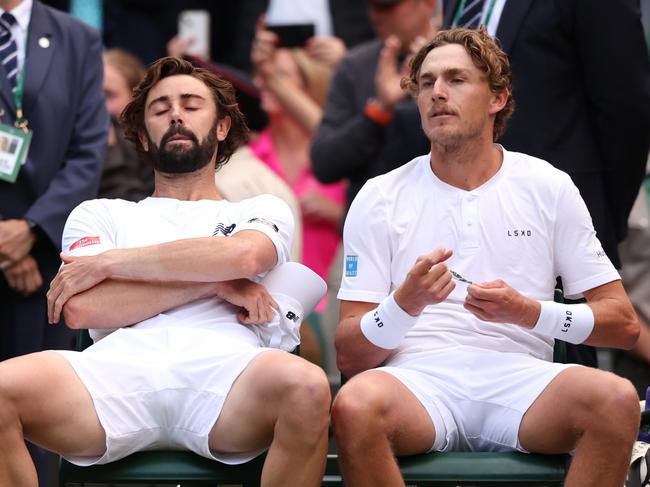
(132, 117)
(487, 55)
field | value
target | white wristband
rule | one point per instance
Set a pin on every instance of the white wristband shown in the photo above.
(386, 325)
(572, 323)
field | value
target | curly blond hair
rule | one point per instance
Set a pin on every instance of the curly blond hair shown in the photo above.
(487, 55)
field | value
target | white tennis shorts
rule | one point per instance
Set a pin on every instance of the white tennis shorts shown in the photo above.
(476, 398)
(161, 388)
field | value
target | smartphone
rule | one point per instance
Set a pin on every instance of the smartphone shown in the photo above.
(195, 25)
(292, 35)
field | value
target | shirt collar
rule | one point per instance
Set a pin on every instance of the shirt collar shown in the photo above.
(23, 13)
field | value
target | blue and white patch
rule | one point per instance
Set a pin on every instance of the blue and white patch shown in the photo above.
(351, 264)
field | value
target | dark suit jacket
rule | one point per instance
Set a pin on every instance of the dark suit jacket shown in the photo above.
(582, 92)
(64, 105)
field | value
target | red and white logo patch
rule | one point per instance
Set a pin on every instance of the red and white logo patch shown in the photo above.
(84, 242)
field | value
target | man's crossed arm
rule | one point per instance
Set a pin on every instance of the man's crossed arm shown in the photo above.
(124, 286)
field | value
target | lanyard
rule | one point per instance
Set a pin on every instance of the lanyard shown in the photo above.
(484, 21)
(21, 122)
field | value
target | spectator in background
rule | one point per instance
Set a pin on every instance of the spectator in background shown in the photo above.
(567, 62)
(369, 123)
(63, 106)
(635, 270)
(293, 88)
(124, 174)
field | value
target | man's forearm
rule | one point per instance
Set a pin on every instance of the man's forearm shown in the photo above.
(197, 260)
(119, 303)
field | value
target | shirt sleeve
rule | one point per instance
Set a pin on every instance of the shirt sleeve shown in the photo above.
(367, 249)
(271, 216)
(89, 229)
(580, 259)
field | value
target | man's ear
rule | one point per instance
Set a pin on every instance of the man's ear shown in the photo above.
(498, 101)
(223, 127)
(144, 140)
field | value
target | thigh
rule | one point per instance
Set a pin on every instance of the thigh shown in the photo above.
(247, 419)
(55, 408)
(554, 422)
(406, 422)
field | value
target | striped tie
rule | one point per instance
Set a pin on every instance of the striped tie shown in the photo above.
(470, 17)
(8, 50)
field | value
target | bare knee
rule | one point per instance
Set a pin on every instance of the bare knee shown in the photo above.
(614, 413)
(9, 417)
(307, 398)
(359, 407)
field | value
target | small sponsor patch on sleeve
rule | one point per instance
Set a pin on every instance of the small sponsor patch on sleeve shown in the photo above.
(85, 242)
(266, 222)
(351, 263)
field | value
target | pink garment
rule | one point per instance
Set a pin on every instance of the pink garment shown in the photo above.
(320, 239)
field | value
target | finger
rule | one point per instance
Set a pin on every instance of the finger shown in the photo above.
(66, 259)
(264, 309)
(482, 293)
(20, 284)
(253, 313)
(261, 22)
(476, 311)
(491, 284)
(11, 280)
(33, 281)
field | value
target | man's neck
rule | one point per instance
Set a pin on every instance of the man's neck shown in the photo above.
(468, 166)
(9, 5)
(194, 186)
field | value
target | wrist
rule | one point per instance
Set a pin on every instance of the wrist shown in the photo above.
(403, 303)
(387, 324)
(379, 112)
(530, 313)
(571, 323)
(109, 263)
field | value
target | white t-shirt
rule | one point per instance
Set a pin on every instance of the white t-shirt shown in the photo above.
(103, 224)
(526, 225)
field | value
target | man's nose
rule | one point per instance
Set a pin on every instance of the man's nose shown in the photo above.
(175, 114)
(439, 91)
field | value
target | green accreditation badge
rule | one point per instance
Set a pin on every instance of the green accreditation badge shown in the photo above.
(14, 145)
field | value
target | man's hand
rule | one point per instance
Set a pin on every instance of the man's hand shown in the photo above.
(316, 208)
(389, 74)
(428, 282)
(328, 50)
(24, 276)
(16, 241)
(76, 276)
(255, 301)
(263, 50)
(498, 302)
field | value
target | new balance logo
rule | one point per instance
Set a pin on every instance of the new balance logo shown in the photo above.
(221, 228)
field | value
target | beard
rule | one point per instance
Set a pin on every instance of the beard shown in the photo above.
(178, 159)
(453, 141)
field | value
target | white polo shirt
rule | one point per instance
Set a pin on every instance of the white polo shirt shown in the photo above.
(103, 224)
(526, 225)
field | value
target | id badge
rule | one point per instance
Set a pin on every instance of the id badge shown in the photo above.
(14, 145)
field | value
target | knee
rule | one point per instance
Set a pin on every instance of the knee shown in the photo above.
(358, 407)
(617, 409)
(307, 395)
(9, 417)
